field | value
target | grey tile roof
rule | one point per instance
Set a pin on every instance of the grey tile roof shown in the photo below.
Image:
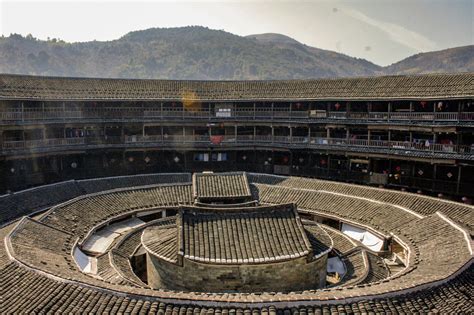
(25, 291)
(356, 267)
(30, 200)
(438, 250)
(377, 269)
(319, 239)
(386, 87)
(342, 242)
(221, 185)
(423, 205)
(162, 241)
(112, 203)
(100, 184)
(245, 235)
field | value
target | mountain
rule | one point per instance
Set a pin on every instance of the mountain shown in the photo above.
(274, 38)
(192, 52)
(177, 53)
(459, 59)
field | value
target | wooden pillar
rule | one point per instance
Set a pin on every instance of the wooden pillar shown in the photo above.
(460, 109)
(184, 160)
(291, 161)
(458, 187)
(389, 110)
(328, 132)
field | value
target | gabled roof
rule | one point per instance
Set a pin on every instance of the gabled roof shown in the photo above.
(242, 235)
(221, 186)
(428, 86)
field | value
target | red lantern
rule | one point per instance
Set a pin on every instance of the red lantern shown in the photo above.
(423, 104)
(337, 106)
(216, 139)
(285, 159)
(398, 168)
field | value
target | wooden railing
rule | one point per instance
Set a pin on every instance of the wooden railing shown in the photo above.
(42, 143)
(128, 113)
(307, 142)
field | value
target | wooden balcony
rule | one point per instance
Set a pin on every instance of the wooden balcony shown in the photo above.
(12, 145)
(449, 151)
(138, 113)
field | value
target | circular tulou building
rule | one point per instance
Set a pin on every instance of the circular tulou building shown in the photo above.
(119, 202)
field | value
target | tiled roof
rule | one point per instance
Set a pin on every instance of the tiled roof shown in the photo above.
(245, 235)
(220, 185)
(61, 88)
(319, 239)
(41, 275)
(162, 241)
(356, 267)
(113, 203)
(463, 214)
(25, 291)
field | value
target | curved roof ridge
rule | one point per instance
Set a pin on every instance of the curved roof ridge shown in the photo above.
(426, 86)
(434, 74)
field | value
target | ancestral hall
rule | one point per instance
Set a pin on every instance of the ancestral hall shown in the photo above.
(237, 250)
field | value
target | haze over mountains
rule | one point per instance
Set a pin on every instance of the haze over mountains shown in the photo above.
(204, 54)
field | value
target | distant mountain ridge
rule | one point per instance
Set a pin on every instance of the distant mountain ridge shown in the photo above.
(200, 53)
(459, 59)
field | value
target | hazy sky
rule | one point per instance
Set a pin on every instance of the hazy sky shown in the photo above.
(381, 31)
